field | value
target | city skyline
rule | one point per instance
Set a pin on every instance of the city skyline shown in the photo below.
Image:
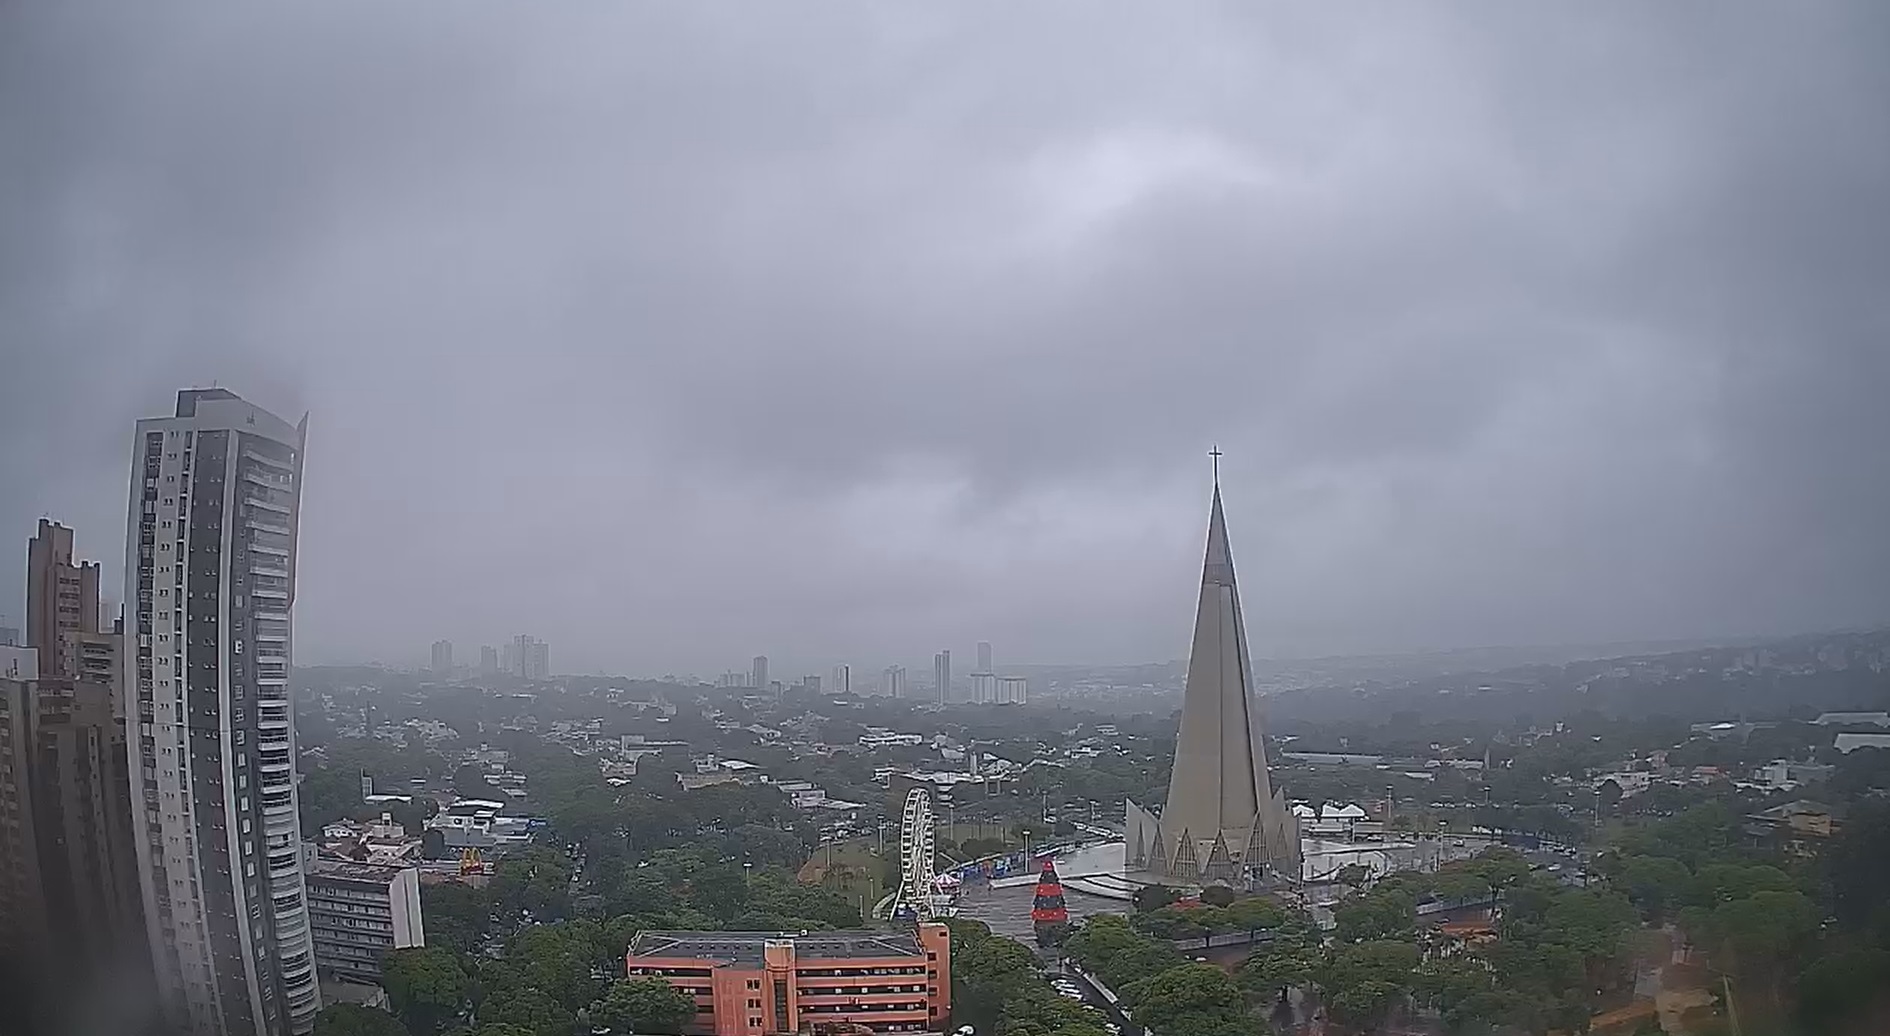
(358, 354)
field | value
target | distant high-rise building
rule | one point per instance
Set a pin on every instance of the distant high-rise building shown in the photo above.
(95, 657)
(528, 658)
(942, 673)
(61, 597)
(811, 682)
(10, 636)
(24, 926)
(984, 682)
(843, 679)
(68, 870)
(761, 672)
(488, 660)
(892, 683)
(209, 585)
(1010, 690)
(442, 657)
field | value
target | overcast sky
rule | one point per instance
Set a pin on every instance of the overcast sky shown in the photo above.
(675, 333)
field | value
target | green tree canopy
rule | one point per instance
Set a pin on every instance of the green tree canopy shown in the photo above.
(1499, 868)
(1387, 910)
(1723, 882)
(1269, 973)
(1191, 998)
(719, 891)
(1844, 988)
(642, 1005)
(557, 959)
(1154, 897)
(1117, 953)
(355, 1020)
(1254, 914)
(1855, 865)
(535, 878)
(1763, 930)
(425, 986)
(527, 1007)
(502, 1029)
(458, 916)
(1655, 884)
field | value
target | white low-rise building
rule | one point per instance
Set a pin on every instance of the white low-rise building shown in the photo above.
(358, 912)
(479, 824)
(1848, 743)
(1853, 719)
(1783, 774)
(1631, 782)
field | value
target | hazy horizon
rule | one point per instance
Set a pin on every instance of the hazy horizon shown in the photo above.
(852, 332)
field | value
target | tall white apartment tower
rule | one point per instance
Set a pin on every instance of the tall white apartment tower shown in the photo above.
(209, 583)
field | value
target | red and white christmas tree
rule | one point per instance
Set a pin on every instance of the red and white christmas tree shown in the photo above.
(1048, 908)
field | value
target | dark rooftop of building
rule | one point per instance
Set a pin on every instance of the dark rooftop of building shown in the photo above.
(351, 870)
(746, 947)
(187, 399)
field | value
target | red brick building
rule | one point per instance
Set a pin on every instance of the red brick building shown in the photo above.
(767, 983)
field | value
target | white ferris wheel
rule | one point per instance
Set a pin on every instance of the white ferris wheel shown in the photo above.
(918, 874)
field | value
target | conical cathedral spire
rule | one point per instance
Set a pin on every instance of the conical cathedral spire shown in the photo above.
(1222, 816)
(1218, 568)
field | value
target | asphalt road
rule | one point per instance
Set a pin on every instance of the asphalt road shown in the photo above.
(1007, 910)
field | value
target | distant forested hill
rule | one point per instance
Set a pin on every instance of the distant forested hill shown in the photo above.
(1794, 677)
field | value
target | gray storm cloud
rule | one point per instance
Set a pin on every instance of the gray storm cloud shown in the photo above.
(673, 334)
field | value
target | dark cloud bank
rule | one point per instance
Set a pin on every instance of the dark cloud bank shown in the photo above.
(674, 333)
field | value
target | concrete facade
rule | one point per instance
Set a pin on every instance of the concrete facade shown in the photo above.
(23, 923)
(942, 675)
(1223, 822)
(357, 912)
(209, 583)
(61, 597)
(69, 902)
(762, 983)
(527, 657)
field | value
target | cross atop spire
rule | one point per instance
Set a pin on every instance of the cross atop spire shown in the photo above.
(1217, 455)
